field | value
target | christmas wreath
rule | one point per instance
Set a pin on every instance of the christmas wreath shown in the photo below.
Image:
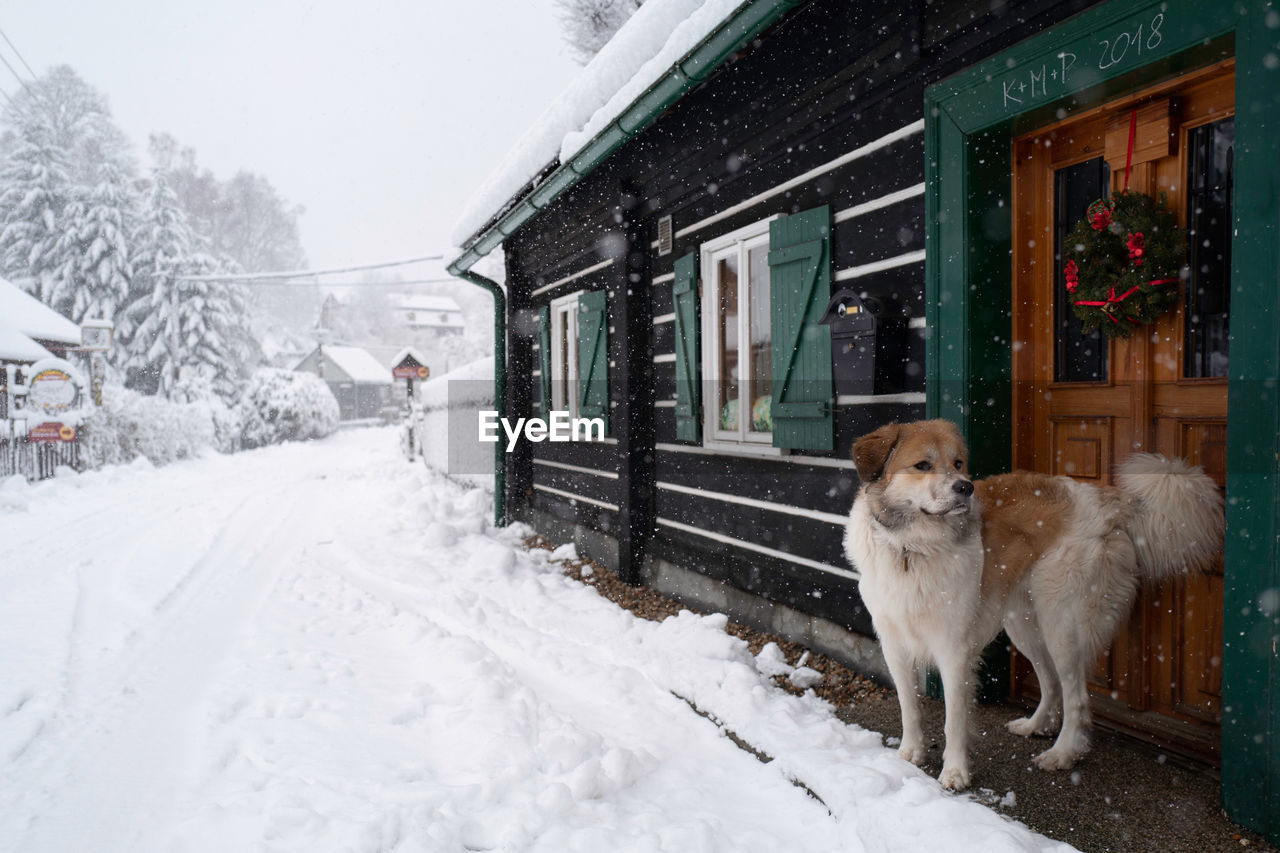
(1124, 263)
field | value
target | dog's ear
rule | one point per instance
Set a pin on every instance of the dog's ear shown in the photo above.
(871, 451)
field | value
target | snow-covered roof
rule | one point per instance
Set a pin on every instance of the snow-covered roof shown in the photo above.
(358, 364)
(28, 315)
(427, 303)
(470, 383)
(658, 35)
(405, 353)
(15, 346)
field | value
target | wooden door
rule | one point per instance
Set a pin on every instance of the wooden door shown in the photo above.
(1083, 402)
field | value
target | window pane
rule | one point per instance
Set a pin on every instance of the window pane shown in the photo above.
(761, 340)
(561, 396)
(1211, 161)
(727, 317)
(1079, 357)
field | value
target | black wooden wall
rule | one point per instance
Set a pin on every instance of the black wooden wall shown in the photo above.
(835, 79)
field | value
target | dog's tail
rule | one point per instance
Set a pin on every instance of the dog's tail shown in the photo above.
(1177, 523)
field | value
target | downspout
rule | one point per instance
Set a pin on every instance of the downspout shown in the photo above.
(499, 383)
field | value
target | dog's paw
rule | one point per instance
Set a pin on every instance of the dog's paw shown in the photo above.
(1026, 727)
(913, 752)
(1056, 759)
(954, 778)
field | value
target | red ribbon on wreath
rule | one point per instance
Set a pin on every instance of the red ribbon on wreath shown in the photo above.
(1112, 299)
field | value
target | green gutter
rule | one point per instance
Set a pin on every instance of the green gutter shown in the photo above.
(735, 32)
(499, 385)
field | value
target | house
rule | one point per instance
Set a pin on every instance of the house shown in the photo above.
(361, 385)
(429, 315)
(31, 330)
(673, 248)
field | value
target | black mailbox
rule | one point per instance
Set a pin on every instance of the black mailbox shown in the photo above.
(853, 320)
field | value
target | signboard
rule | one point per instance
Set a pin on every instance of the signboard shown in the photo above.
(410, 372)
(51, 432)
(95, 335)
(52, 391)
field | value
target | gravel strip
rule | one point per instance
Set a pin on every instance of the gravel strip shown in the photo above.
(1123, 796)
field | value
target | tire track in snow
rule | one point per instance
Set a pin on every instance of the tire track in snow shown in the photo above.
(152, 695)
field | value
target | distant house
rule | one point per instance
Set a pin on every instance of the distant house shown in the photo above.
(437, 314)
(360, 383)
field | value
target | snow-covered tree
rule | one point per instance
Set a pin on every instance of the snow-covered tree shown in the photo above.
(151, 327)
(214, 327)
(65, 193)
(95, 274)
(34, 191)
(74, 117)
(180, 328)
(589, 24)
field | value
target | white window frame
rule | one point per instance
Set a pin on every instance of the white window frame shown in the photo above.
(564, 336)
(739, 242)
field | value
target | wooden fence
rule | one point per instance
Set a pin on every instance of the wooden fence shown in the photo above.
(35, 460)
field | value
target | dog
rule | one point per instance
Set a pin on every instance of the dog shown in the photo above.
(946, 562)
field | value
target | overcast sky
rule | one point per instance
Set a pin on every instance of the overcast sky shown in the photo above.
(380, 117)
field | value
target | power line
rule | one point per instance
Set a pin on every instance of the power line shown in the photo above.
(354, 283)
(14, 72)
(262, 276)
(18, 54)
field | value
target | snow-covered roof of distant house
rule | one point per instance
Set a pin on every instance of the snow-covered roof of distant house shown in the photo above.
(23, 312)
(358, 364)
(427, 303)
(15, 346)
(406, 353)
(658, 35)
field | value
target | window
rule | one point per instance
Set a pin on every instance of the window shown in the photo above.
(564, 354)
(737, 344)
(752, 357)
(1211, 164)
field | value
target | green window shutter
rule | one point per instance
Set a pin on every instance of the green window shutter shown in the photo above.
(544, 360)
(593, 357)
(800, 287)
(688, 390)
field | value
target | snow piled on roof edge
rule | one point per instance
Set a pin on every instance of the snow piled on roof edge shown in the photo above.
(658, 35)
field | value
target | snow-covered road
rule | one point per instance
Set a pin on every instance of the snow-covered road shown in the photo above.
(320, 647)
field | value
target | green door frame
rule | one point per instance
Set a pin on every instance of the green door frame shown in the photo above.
(970, 120)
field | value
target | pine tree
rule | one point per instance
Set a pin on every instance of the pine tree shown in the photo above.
(34, 191)
(180, 329)
(151, 327)
(95, 273)
(213, 317)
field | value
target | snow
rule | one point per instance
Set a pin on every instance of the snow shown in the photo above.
(659, 34)
(358, 364)
(321, 646)
(15, 346)
(283, 405)
(446, 418)
(31, 317)
(413, 302)
(407, 352)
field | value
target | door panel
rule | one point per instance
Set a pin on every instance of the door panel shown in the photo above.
(1081, 405)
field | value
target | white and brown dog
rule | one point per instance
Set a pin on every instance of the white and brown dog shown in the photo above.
(946, 562)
